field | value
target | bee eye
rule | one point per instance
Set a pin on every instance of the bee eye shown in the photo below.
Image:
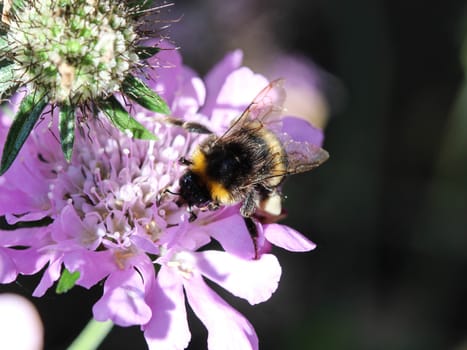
(193, 190)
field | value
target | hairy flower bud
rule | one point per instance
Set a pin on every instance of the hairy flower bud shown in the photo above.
(73, 50)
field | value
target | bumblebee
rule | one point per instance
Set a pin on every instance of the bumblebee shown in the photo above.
(249, 162)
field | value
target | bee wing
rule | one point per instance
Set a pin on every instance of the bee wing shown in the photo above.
(303, 156)
(267, 107)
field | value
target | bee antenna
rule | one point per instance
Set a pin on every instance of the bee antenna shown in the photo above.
(184, 161)
(174, 193)
(162, 193)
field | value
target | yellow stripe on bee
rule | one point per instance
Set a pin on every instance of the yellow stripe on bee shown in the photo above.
(218, 191)
(276, 150)
(199, 163)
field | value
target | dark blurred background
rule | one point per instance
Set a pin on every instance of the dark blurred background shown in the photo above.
(389, 209)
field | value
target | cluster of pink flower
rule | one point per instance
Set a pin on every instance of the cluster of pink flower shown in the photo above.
(101, 214)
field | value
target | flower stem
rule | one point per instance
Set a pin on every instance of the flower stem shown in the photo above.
(92, 335)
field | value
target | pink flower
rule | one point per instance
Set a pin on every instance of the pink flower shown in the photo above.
(102, 215)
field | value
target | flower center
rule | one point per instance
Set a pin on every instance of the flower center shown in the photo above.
(72, 49)
(113, 185)
(183, 263)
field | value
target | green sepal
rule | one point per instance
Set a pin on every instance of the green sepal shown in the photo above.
(123, 120)
(66, 126)
(7, 81)
(143, 95)
(17, 4)
(30, 109)
(145, 52)
(3, 44)
(4, 49)
(67, 281)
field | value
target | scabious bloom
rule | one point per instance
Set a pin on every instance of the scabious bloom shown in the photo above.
(105, 216)
(73, 56)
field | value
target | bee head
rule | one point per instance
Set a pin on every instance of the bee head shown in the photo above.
(193, 190)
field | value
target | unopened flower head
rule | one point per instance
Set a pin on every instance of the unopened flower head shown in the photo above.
(106, 216)
(72, 49)
(74, 55)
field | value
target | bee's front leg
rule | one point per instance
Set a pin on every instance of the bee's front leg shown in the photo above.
(193, 216)
(213, 206)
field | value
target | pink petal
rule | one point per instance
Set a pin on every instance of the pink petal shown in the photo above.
(168, 327)
(29, 261)
(216, 78)
(7, 267)
(22, 237)
(227, 328)
(51, 274)
(70, 224)
(93, 266)
(302, 131)
(235, 92)
(287, 238)
(232, 233)
(166, 65)
(28, 181)
(253, 280)
(238, 91)
(123, 300)
(191, 95)
(14, 200)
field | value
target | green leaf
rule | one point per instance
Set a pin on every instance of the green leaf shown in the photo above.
(145, 52)
(141, 93)
(66, 126)
(124, 121)
(29, 111)
(7, 81)
(67, 281)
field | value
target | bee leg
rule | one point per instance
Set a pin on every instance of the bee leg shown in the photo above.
(249, 205)
(253, 231)
(159, 197)
(213, 206)
(193, 216)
